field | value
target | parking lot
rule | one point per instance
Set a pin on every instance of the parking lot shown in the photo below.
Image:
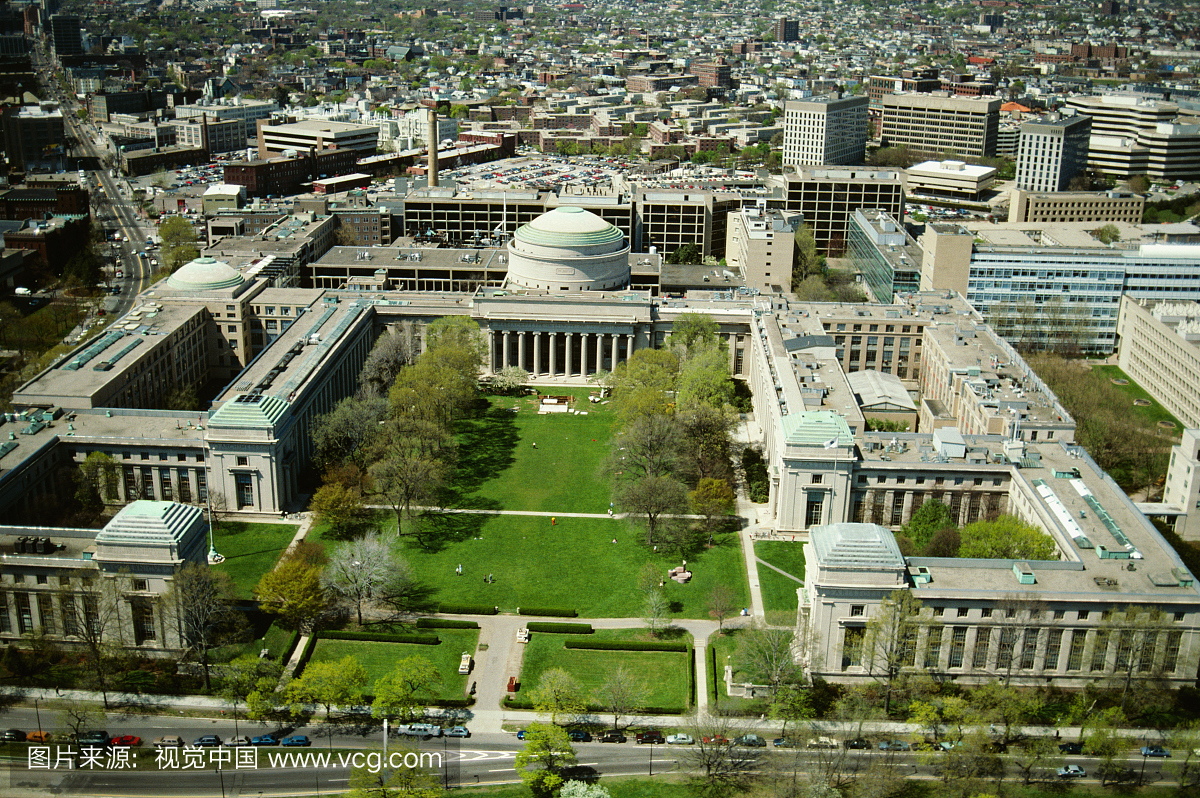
(542, 173)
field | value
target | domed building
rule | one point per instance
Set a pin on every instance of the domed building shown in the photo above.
(205, 274)
(568, 249)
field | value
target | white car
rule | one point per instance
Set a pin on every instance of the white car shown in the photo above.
(680, 739)
(1072, 772)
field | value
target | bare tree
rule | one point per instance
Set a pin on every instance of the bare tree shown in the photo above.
(1139, 634)
(394, 350)
(1020, 619)
(721, 604)
(92, 615)
(649, 446)
(404, 473)
(655, 498)
(75, 717)
(201, 601)
(723, 768)
(623, 693)
(359, 569)
(889, 641)
(654, 610)
(767, 653)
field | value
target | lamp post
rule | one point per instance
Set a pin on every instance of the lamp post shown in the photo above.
(39, 715)
(652, 757)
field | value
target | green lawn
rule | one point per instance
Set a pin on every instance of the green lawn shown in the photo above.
(617, 788)
(380, 658)
(499, 468)
(573, 565)
(667, 673)
(726, 646)
(779, 592)
(1152, 414)
(250, 550)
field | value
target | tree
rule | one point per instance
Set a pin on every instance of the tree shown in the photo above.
(1185, 742)
(99, 474)
(244, 675)
(791, 703)
(642, 385)
(808, 261)
(692, 332)
(328, 684)
(1006, 538)
(622, 693)
(75, 717)
(201, 601)
(401, 692)
(92, 614)
(404, 473)
(721, 604)
(1006, 710)
(1037, 753)
(724, 769)
(707, 431)
(945, 542)
(927, 520)
(704, 379)
(510, 379)
(712, 498)
(1108, 234)
(546, 753)
(293, 591)
(654, 498)
(766, 652)
(358, 570)
(687, 253)
(394, 350)
(178, 242)
(889, 641)
(341, 508)
(401, 782)
(649, 446)
(1139, 634)
(581, 789)
(558, 693)
(345, 433)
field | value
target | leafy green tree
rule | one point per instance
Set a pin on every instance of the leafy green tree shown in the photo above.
(406, 689)
(656, 498)
(889, 641)
(293, 591)
(241, 677)
(1108, 234)
(693, 332)
(546, 754)
(928, 519)
(713, 499)
(642, 385)
(558, 693)
(687, 253)
(1007, 538)
(341, 508)
(328, 684)
(178, 243)
(402, 782)
(705, 380)
(792, 703)
(99, 475)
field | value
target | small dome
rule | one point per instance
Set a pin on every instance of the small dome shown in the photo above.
(569, 226)
(205, 274)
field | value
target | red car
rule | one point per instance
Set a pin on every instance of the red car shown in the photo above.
(716, 740)
(128, 739)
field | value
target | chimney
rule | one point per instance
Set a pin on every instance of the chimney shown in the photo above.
(432, 141)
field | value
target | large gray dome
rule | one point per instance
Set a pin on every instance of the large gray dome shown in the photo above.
(569, 249)
(205, 274)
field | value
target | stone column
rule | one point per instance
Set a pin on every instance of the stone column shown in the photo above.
(553, 354)
(629, 345)
(570, 364)
(491, 339)
(599, 351)
(537, 354)
(521, 349)
(504, 356)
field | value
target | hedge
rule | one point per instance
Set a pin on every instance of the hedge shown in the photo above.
(627, 645)
(445, 623)
(560, 612)
(467, 609)
(524, 703)
(560, 628)
(383, 637)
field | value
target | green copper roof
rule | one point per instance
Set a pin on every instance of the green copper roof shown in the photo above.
(569, 226)
(255, 411)
(149, 522)
(816, 428)
(850, 545)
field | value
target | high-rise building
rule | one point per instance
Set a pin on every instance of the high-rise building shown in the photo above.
(1052, 151)
(925, 79)
(66, 35)
(825, 130)
(1135, 136)
(787, 30)
(936, 123)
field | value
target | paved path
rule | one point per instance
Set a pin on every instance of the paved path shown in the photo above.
(779, 570)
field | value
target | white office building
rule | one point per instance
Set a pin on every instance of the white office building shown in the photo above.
(825, 130)
(1052, 151)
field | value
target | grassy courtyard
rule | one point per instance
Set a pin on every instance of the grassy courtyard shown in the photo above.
(1151, 414)
(380, 658)
(667, 673)
(250, 550)
(573, 565)
(779, 592)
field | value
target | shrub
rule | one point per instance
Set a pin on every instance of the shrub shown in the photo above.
(559, 612)
(383, 637)
(758, 484)
(467, 609)
(512, 702)
(628, 645)
(445, 623)
(560, 628)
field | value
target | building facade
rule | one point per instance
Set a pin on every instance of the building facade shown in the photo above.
(1076, 206)
(825, 131)
(1052, 152)
(939, 122)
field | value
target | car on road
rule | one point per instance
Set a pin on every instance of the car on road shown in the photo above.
(207, 741)
(750, 741)
(715, 739)
(822, 742)
(127, 739)
(612, 737)
(237, 742)
(680, 739)
(296, 740)
(858, 743)
(458, 731)
(120, 273)
(579, 736)
(1155, 750)
(12, 736)
(264, 739)
(1071, 748)
(653, 736)
(521, 734)
(1071, 772)
(38, 737)
(895, 745)
(93, 738)
(168, 741)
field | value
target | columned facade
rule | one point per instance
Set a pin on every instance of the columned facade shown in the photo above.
(550, 352)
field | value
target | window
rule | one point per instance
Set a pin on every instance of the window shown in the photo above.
(958, 645)
(962, 612)
(897, 509)
(1004, 657)
(1059, 615)
(64, 580)
(42, 579)
(817, 479)
(143, 620)
(243, 461)
(1083, 615)
(24, 613)
(983, 640)
(140, 585)
(245, 490)
(147, 483)
(231, 328)
(938, 611)
(5, 622)
(814, 512)
(19, 578)
(1029, 648)
(986, 612)
(1171, 656)
(1075, 657)
(1178, 617)
(46, 613)
(933, 649)
(852, 642)
(857, 610)
(1053, 644)
(1100, 651)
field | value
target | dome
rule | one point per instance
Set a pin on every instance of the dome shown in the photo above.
(205, 274)
(569, 249)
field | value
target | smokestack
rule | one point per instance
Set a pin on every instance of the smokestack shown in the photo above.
(432, 141)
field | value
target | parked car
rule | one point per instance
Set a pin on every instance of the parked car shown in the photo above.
(680, 739)
(715, 739)
(423, 730)
(750, 741)
(127, 739)
(895, 745)
(612, 737)
(653, 736)
(1071, 748)
(207, 741)
(458, 731)
(783, 742)
(38, 737)
(521, 734)
(1155, 750)
(822, 742)
(168, 741)
(237, 742)
(579, 736)
(296, 740)
(858, 743)
(93, 738)
(264, 739)
(12, 736)
(1071, 772)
